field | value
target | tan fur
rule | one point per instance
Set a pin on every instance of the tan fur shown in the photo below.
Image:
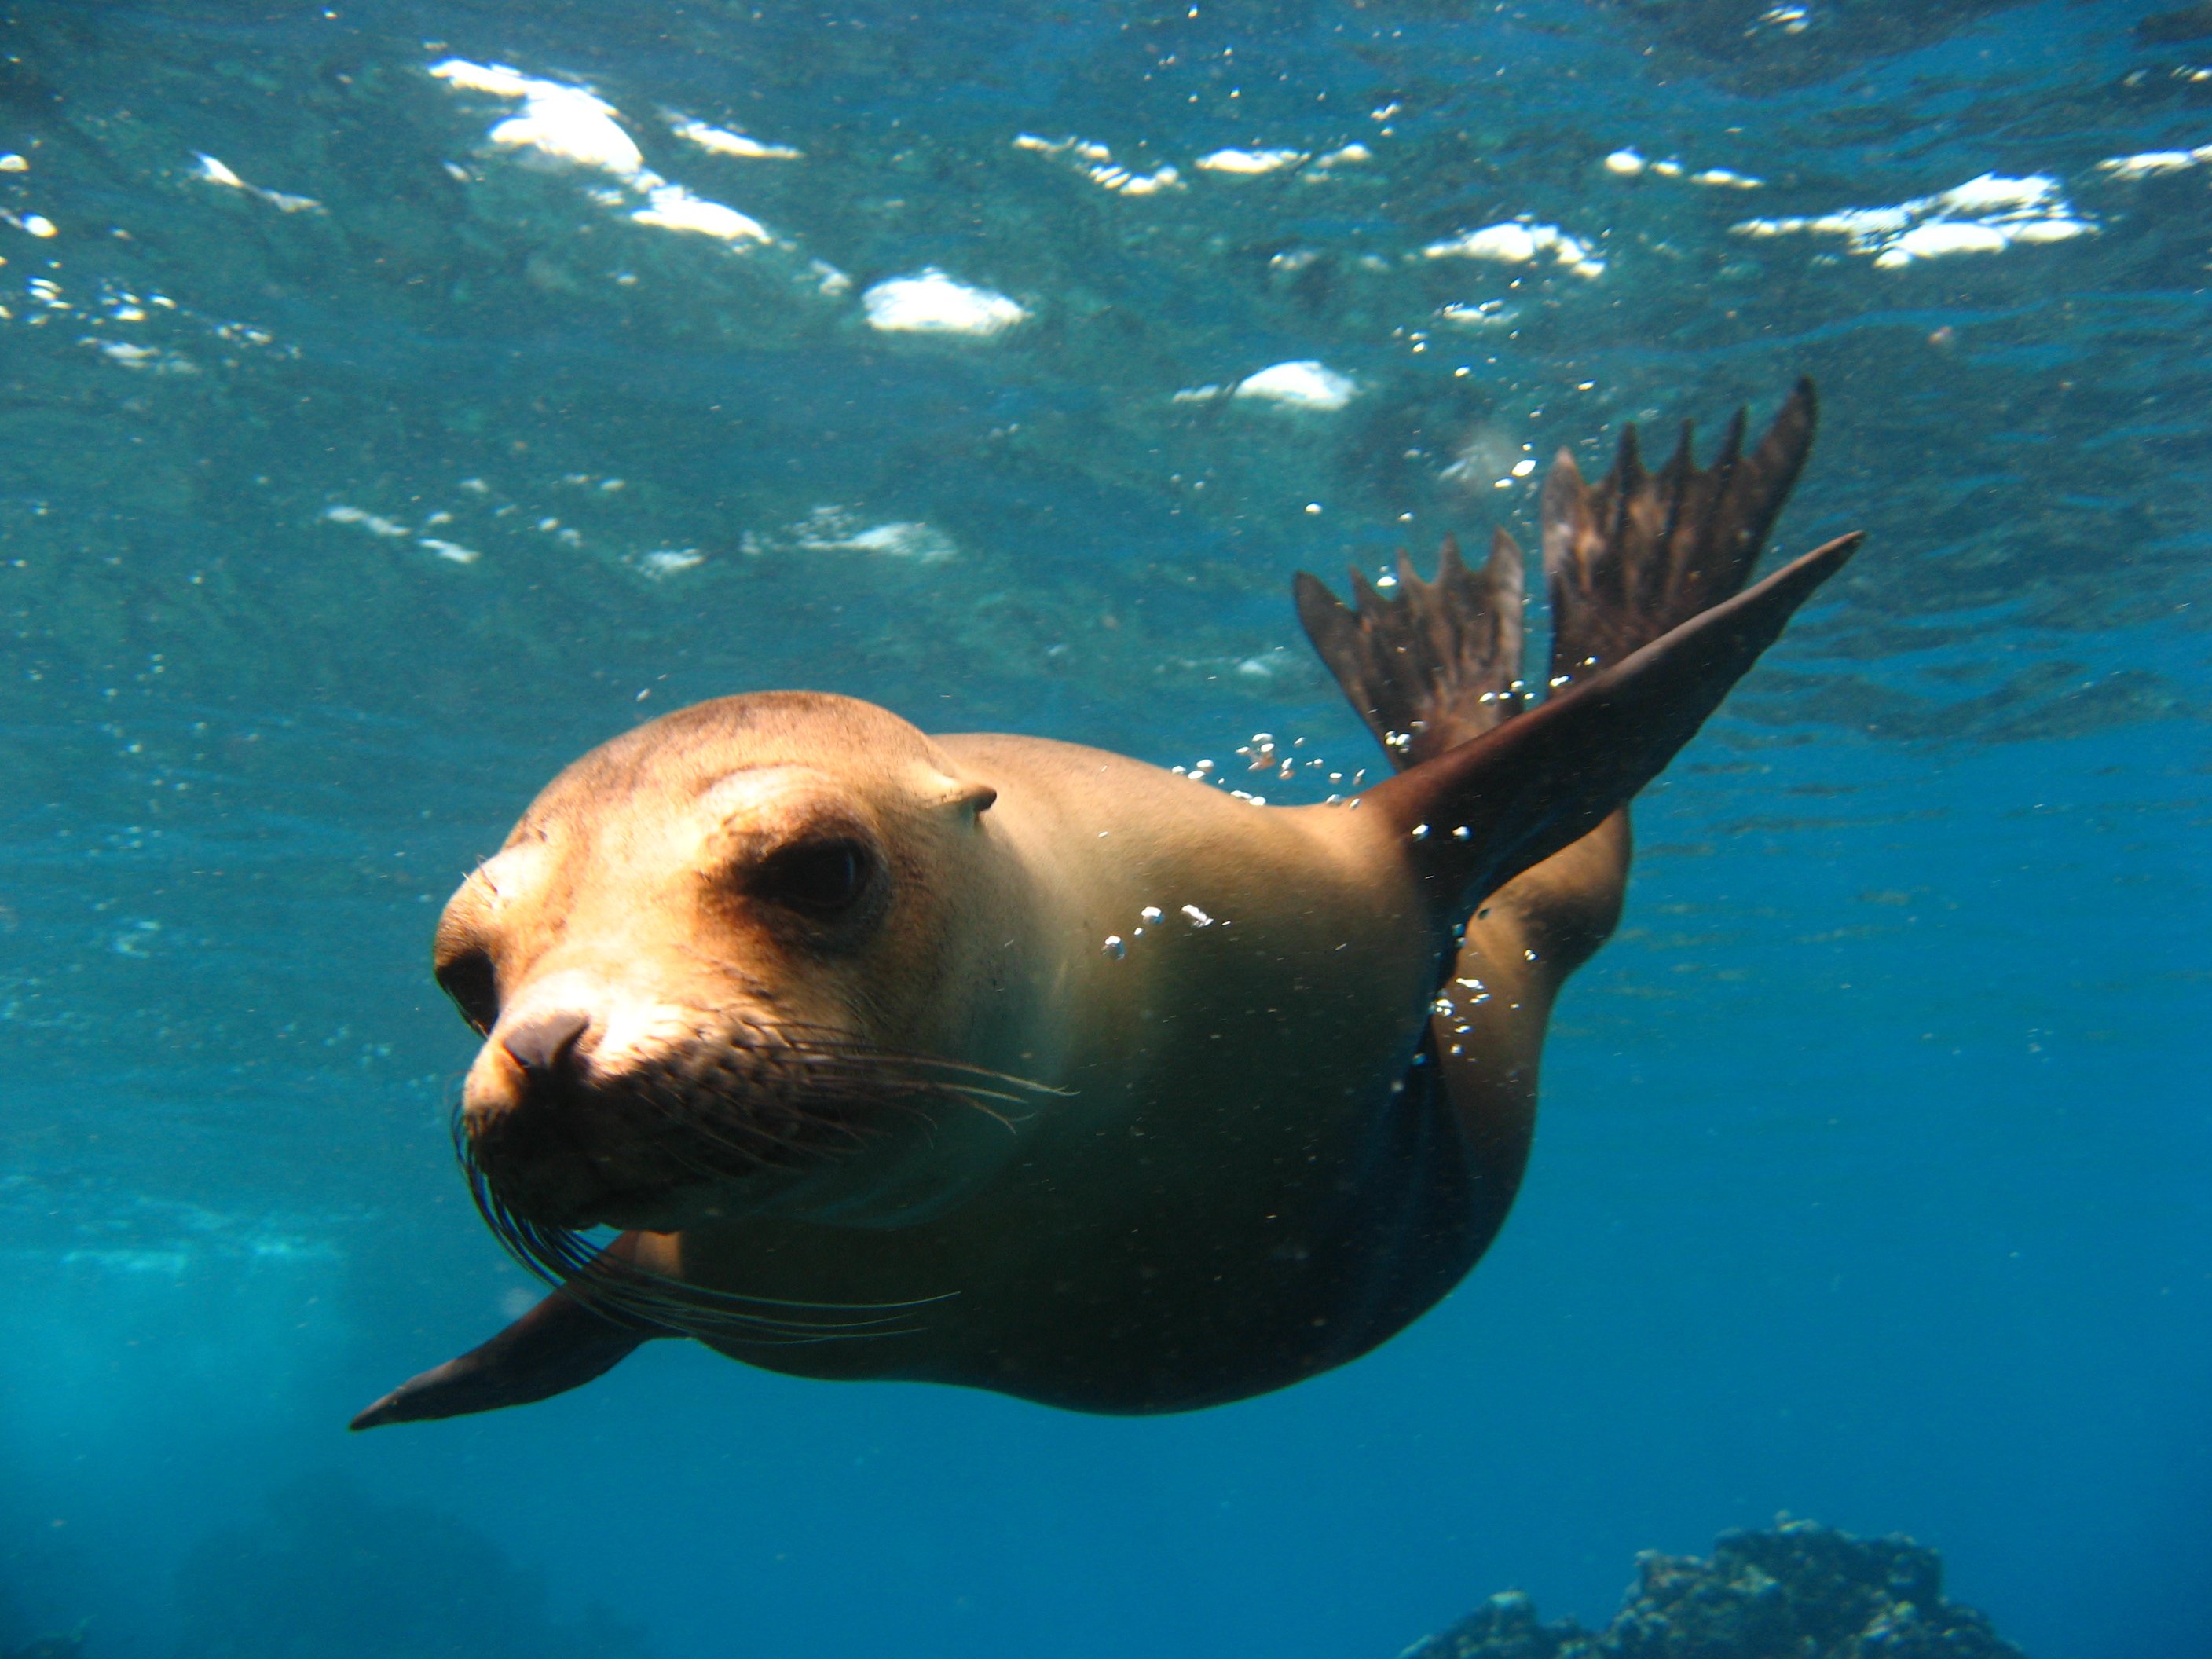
(1216, 1078)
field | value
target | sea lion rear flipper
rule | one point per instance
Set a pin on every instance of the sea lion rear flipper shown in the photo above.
(1644, 570)
(1434, 664)
(1437, 664)
(1479, 816)
(1640, 553)
(559, 1345)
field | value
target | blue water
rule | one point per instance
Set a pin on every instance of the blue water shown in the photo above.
(1871, 1178)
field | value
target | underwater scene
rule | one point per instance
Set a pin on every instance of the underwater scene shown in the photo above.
(400, 401)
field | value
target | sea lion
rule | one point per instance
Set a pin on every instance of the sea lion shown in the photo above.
(999, 1061)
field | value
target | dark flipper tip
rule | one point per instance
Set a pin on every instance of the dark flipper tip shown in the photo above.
(559, 1343)
(392, 1408)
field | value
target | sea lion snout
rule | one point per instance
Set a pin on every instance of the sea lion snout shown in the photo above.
(547, 1041)
(528, 1114)
(523, 1110)
(657, 1116)
(571, 1113)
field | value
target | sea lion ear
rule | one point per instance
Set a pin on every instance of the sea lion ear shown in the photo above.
(965, 795)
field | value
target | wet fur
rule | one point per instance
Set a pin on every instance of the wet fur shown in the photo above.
(1247, 1185)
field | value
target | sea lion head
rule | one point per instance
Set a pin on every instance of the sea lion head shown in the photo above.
(716, 970)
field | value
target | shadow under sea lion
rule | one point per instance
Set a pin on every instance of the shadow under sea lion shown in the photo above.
(999, 1061)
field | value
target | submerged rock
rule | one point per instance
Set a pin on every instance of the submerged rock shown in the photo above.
(1800, 1591)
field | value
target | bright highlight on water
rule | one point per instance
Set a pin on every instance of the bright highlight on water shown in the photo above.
(403, 402)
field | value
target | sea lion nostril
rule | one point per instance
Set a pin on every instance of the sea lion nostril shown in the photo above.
(545, 1041)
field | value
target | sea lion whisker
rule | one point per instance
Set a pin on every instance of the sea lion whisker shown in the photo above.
(703, 1114)
(925, 1076)
(692, 1314)
(793, 1065)
(824, 1041)
(871, 1082)
(705, 1124)
(919, 1090)
(1014, 1085)
(639, 1294)
(1003, 1119)
(967, 1084)
(562, 1257)
(690, 1309)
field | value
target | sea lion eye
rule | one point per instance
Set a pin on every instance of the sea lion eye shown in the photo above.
(816, 877)
(470, 979)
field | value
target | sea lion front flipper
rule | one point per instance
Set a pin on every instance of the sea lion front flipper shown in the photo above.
(1490, 809)
(559, 1345)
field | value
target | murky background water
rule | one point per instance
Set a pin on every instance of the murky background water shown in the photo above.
(396, 399)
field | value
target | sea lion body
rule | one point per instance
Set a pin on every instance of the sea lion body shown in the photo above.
(1232, 1147)
(1000, 1061)
(1268, 1158)
(1223, 1137)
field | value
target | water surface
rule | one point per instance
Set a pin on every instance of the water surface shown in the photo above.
(365, 455)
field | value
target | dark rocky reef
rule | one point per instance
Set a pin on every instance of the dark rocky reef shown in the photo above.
(330, 1571)
(1800, 1591)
